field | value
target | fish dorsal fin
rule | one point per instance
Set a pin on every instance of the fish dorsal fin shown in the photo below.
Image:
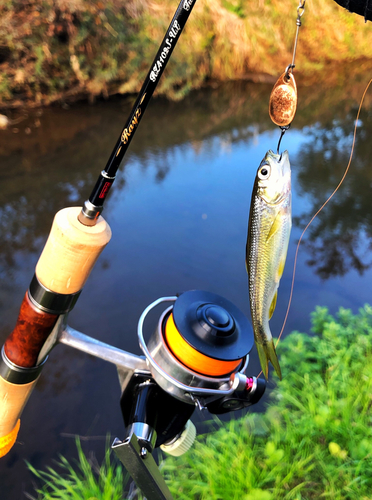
(273, 305)
(274, 227)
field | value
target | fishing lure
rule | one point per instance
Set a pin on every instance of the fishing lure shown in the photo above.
(269, 228)
(283, 98)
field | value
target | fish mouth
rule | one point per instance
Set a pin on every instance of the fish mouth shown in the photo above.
(278, 186)
(272, 155)
(283, 158)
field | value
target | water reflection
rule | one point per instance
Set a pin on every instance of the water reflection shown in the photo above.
(340, 239)
(56, 164)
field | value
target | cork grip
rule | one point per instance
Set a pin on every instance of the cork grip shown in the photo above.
(64, 266)
(71, 251)
(13, 398)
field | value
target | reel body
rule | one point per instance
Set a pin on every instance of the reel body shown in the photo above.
(196, 358)
(153, 415)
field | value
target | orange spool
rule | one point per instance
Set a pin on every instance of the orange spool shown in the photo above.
(194, 359)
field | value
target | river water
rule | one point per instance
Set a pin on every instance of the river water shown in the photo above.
(178, 212)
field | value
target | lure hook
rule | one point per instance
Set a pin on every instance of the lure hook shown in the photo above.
(283, 131)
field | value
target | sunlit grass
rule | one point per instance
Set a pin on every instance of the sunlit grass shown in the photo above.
(83, 480)
(315, 439)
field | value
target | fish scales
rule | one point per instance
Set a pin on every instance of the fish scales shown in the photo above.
(267, 244)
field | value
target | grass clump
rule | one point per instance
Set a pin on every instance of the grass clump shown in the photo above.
(314, 440)
(81, 481)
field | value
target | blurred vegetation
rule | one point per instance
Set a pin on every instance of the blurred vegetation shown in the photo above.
(314, 440)
(53, 50)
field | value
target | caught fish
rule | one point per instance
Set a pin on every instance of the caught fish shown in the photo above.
(269, 229)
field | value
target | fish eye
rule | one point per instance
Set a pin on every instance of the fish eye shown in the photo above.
(263, 172)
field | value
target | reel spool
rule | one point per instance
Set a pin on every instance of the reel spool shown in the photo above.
(198, 346)
(207, 334)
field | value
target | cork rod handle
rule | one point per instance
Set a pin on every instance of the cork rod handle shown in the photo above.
(71, 251)
(63, 268)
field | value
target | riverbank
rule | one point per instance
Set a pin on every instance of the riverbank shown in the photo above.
(59, 51)
(313, 440)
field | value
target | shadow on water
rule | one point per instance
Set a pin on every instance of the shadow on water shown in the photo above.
(178, 213)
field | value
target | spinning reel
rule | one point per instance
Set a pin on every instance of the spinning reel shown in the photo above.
(196, 357)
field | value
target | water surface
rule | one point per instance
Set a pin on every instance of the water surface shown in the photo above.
(178, 213)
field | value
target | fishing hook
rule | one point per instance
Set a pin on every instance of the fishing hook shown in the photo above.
(283, 131)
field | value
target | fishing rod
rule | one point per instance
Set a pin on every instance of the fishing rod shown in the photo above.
(76, 239)
(94, 205)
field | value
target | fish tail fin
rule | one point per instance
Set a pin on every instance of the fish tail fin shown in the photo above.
(264, 360)
(266, 353)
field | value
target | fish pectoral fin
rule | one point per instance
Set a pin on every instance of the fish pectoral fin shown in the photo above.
(266, 353)
(273, 304)
(276, 225)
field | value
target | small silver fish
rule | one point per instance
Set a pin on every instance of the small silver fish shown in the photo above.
(269, 229)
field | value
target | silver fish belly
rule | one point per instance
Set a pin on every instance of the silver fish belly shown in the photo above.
(269, 229)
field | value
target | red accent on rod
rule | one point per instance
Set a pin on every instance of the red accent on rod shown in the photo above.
(105, 190)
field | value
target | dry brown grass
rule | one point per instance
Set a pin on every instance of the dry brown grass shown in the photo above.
(223, 40)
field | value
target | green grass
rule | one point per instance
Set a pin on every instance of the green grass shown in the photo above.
(315, 438)
(313, 441)
(82, 480)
